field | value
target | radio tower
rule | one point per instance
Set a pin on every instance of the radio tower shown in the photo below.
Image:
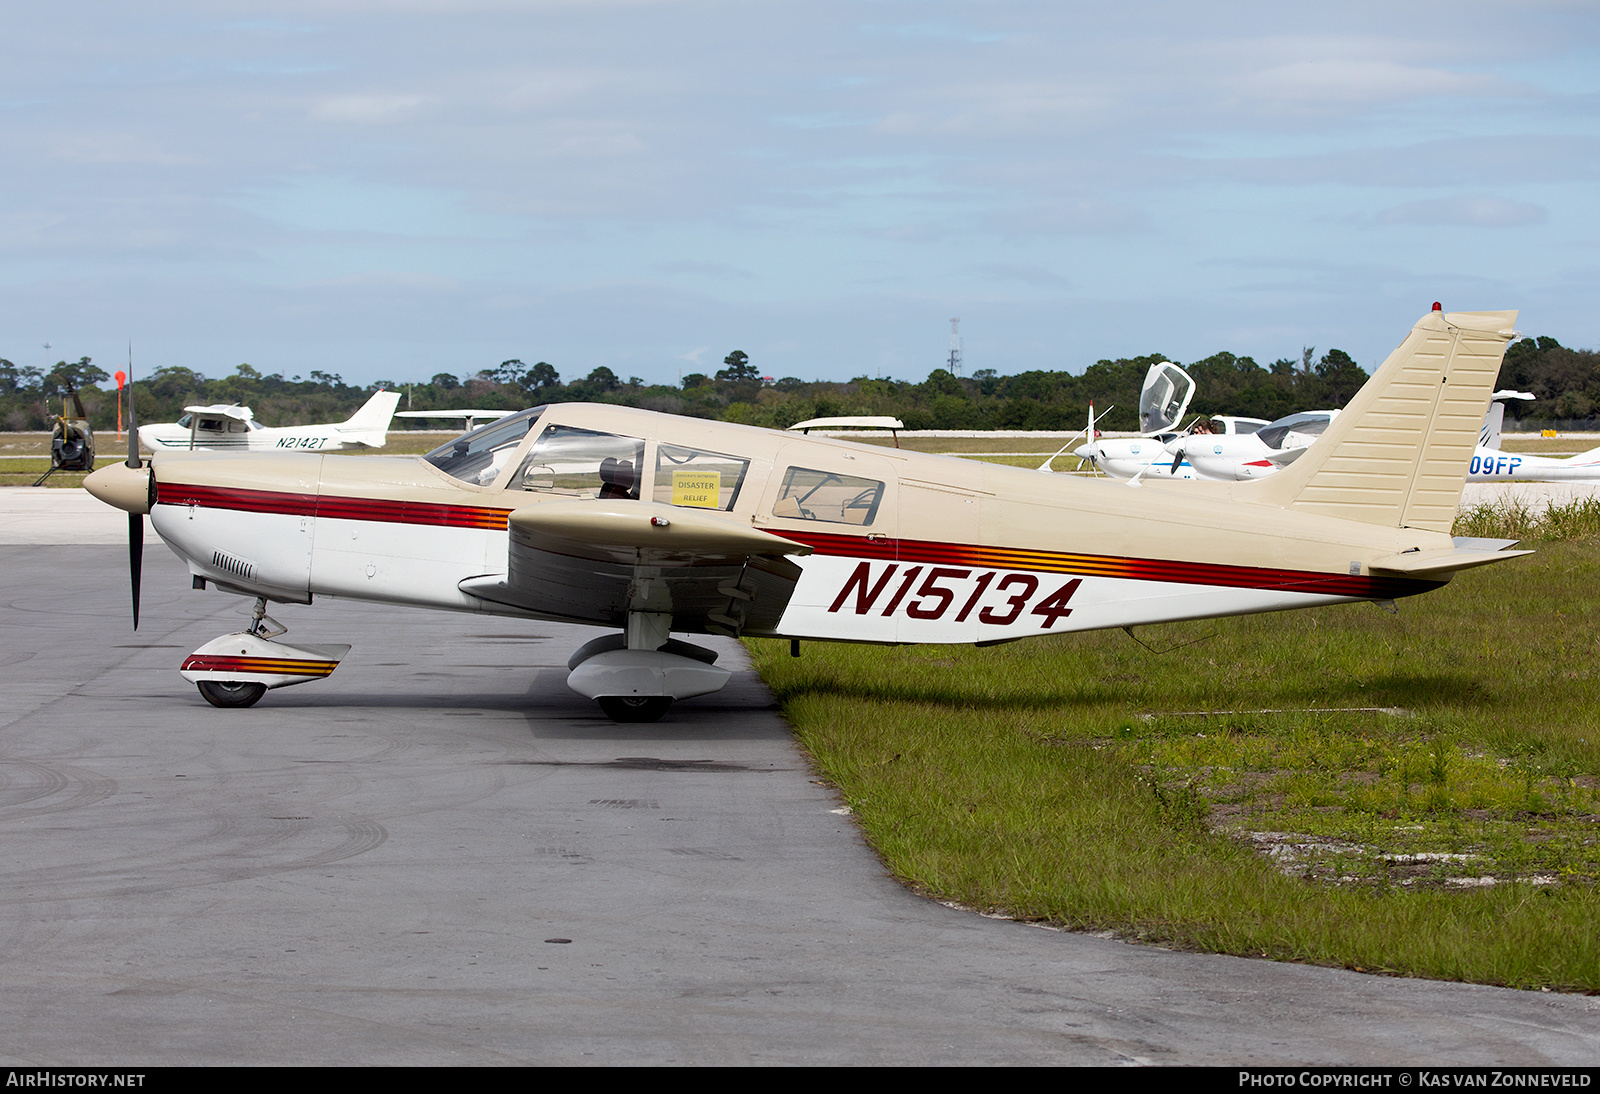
(955, 348)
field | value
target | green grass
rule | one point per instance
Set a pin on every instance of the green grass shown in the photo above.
(1513, 518)
(1067, 780)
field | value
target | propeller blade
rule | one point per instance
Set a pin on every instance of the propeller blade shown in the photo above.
(1177, 459)
(135, 520)
(133, 420)
(135, 559)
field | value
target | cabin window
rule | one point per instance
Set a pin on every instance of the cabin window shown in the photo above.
(580, 463)
(215, 425)
(828, 496)
(479, 457)
(185, 420)
(694, 477)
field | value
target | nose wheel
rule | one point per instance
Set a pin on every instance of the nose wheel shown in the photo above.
(631, 708)
(231, 693)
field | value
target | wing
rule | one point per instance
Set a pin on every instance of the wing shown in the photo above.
(594, 561)
(232, 410)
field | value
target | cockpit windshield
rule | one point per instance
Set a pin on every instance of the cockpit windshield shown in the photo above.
(479, 457)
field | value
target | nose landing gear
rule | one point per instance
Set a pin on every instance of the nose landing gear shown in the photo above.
(236, 670)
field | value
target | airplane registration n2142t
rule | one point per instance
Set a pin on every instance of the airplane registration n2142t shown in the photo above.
(660, 525)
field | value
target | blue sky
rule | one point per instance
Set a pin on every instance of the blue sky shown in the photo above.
(389, 190)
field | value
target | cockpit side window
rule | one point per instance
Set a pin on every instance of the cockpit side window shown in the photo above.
(691, 476)
(581, 463)
(479, 457)
(827, 496)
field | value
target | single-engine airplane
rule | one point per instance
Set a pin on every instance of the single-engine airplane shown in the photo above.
(1253, 455)
(234, 427)
(659, 526)
(1162, 401)
(1489, 464)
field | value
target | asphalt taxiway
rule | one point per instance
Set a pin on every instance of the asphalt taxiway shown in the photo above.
(440, 855)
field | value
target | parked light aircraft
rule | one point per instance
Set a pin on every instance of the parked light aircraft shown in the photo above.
(1162, 402)
(1165, 397)
(1489, 464)
(1283, 441)
(659, 525)
(1254, 455)
(235, 427)
(469, 419)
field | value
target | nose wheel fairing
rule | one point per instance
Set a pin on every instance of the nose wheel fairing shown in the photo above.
(246, 658)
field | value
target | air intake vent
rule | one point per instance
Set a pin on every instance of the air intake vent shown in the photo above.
(230, 565)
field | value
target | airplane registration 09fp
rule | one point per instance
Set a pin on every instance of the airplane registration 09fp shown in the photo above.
(658, 525)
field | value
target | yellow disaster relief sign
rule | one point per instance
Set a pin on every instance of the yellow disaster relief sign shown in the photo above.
(699, 488)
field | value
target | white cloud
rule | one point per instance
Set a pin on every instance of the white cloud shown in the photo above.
(1465, 211)
(1343, 81)
(366, 109)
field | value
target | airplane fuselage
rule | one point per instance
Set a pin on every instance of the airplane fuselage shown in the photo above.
(953, 551)
(1493, 465)
(175, 438)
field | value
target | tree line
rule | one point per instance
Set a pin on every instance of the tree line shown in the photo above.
(1565, 381)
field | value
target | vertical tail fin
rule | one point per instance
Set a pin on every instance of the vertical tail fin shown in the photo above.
(370, 424)
(1398, 454)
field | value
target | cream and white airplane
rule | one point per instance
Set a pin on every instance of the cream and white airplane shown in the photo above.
(661, 526)
(233, 427)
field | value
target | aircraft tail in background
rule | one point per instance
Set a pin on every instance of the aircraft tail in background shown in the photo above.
(370, 424)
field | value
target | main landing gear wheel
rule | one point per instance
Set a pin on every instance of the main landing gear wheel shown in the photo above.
(627, 708)
(233, 693)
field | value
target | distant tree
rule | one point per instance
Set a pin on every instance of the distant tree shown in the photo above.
(1340, 377)
(739, 369)
(942, 382)
(694, 380)
(75, 374)
(444, 381)
(603, 378)
(540, 377)
(329, 379)
(247, 373)
(14, 379)
(508, 372)
(174, 382)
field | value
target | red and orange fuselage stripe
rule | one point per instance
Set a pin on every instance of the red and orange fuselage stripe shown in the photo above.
(933, 552)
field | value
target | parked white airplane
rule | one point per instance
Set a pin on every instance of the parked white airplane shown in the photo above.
(1489, 464)
(1282, 442)
(235, 427)
(469, 419)
(1162, 403)
(1253, 455)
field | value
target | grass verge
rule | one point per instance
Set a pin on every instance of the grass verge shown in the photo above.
(1023, 779)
